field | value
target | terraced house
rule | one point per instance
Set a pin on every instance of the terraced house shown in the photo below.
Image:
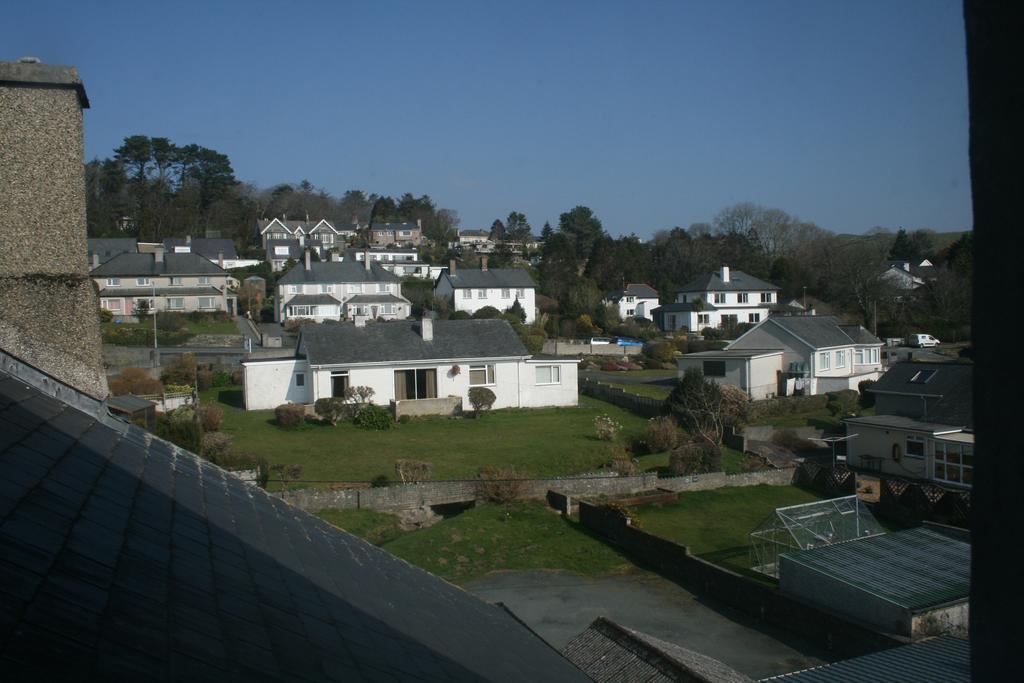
(180, 283)
(332, 290)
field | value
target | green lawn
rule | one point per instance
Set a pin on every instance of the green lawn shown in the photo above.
(658, 391)
(732, 462)
(214, 327)
(376, 527)
(490, 538)
(190, 329)
(541, 442)
(716, 524)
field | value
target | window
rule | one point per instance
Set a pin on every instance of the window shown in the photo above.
(142, 282)
(506, 294)
(754, 318)
(703, 318)
(548, 374)
(719, 297)
(915, 447)
(467, 294)
(415, 384)
(841, 358)
(714, 368)
(281, 251)
(326, 238)
(520, 293)
(206, 302)
(301, 311)
(481, 294)
(922, 376)
(824, 360)
(954, 462)
(300, 379)
(353, 289)
(766, 297)
(479, 375)
(176, 303)
(858, 357)
(630, 311)
(175, 282)
(684, 299)
(204, 280)
(113, 282)
(339, 383)
(326, 289)
(630, 299)
(874, 355)
(742, 297)
(114, 305)
(382, 288)
(293, 289)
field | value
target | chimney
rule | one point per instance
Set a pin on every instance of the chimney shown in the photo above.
(725, 273)
(188, 240)
(366, 260)
(335, 256)
(95, 260)
(158, 255)
(47, 303)
(307, 259)
(220, 259)
(419, 223)
(427, 328)
(451, 267)
(483, 263)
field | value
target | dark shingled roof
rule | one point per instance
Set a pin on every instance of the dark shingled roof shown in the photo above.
(294, 250)
(312, 300)
(127, 265)
(823, 331)
(209, 248)
(610, 653)
(945, 659)
(950, 381)
(336, 271)
(492, 277)
(109, 247)
(684, 307)
(900, 422)
(402, 341)
(205, 290)
(376, 299)
(632, 289)
(124, 557)
(738, 282)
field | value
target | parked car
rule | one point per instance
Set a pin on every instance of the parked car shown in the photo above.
(600, 340)
(922, 340)
(628, 341)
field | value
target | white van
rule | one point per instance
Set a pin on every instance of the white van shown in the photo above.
(922, 340)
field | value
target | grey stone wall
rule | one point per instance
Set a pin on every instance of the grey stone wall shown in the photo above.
(48, 307)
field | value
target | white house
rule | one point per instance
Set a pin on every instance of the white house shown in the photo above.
(332, 290)
(812, 354)
(425, 367)
(471, 290)
(720, 299)
(635, 301)
(402, 262)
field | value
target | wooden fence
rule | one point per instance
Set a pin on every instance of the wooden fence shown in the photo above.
(641, 405)
(911, 502)
(828, 481)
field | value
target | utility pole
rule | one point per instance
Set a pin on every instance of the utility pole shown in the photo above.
(874, 326)
(156, 348)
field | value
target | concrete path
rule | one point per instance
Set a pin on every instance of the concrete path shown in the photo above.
(558, 605)
(246, 331)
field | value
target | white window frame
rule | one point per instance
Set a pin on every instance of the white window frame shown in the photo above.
(481, 294)
(293, 289)
(327, 289)
(467, 294)
(113, 282)
(302, 311)
(703, 318)
(858, 356)
(719, 297)
(142, 282)
(911, 438)
(506, 294)
(487, 369)
(520, 293)
(210, 303)
(176, 281)
(108, 304)
(300, 379)
(941, 452)
(204, 279)
(554, 375)
(874, 356)
(766, 297)
(742, 298)
(824, 360)
(754, 318)
(840, 358)
(179, 307)
(382, 288)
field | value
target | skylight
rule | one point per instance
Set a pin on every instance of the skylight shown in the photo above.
(922, 376)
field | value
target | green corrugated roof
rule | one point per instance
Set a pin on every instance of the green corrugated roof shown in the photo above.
(914, 569)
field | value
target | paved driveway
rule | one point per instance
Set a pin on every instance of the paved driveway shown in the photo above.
(558, 605)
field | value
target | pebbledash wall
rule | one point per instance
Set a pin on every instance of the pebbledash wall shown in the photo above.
(411, 496)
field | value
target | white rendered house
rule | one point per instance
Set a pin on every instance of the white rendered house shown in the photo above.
(635, 301)
(723, 298)
(471, 290)
(424, 367)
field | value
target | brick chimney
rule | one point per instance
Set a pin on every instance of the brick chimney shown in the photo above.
(366, 260)
(725, 273)
(220, 259)
(95, 260)
(427, 328)
(48, 307)
(188, 240)
(483, 263)
(158, 255)
(307, 259)
(451, 267)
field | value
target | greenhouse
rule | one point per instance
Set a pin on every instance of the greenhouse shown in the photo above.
(811, 525)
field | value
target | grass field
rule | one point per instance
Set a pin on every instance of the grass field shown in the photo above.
(192, 328)
(542, 442)
(658, 391)
(716, 524)
(491, 538)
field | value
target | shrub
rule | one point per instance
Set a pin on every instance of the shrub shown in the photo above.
(534, 343)
(105, 316)
(290, 415)
(611, 366)
(333, 409)
(842, 402)
(178, 388)
(204, 379)
(372, 416)
(380, 481)
(695, 457)
(735, 406)
(222, 379)
(486, 313)
(712, 333)
(867, 398)
(180, 427)
(405, 419)
(663, 352)
(682, 345)
(211, 416)
(293, 324)
(135, 381)
(237, 378)
(217, 447)
(412, 471)
(623, 465)
(459, 315)
(501, 485)
(181, 372)
(482, 399)
(607, 428)
(661, 434)
(170, 322)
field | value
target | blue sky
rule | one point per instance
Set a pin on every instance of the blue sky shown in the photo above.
(654, 114)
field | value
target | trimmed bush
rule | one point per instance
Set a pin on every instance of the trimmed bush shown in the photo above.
(222, 379)
(106, 316)
(211, 416)
(663, 352)
(482, 399)
(661, 434)
(459, 315)
(290, 415)
(372, 416)
(380, 481)
(333, 409)
(534, 343)
(217, 447)
(486, 313)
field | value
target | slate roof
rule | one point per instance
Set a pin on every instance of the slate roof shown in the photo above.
(915, 569)
(945, 659)
(312, 300)
(491, 278)
(900, 422)
(684, 307)
(294, 250)
(376, 299)
(128, 265)
(206, 290)
(738, 282)
(610, 653)
(401, 341)
(292, 226)
(952, 382)
(109, 247)
(823, 331)
(208, 248)
(335, 272)
(129, 403)
(123, 557)
(638, 290)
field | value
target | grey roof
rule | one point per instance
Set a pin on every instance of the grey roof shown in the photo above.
(823, 331)
(294, 249)
(915, 569)
(610, 653)
(126, 265)
(207, 290)
(738, 282)
(402, 341)
(125, 557)
(377, 299)
(129, 403)
(209, 248)
(953, 382)
(109, 247)
(336, 271)
(492, 277)
(292, 226)
(899, 422)
(394, 226)
(732, 353)
(474, 233)
(945, 659)
(640, 291)
(312, 300)
(684, 307)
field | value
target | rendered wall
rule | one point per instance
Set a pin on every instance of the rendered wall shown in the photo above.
(268, 385)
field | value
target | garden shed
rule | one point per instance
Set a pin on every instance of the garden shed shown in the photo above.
(809, 525)
(755, 372)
